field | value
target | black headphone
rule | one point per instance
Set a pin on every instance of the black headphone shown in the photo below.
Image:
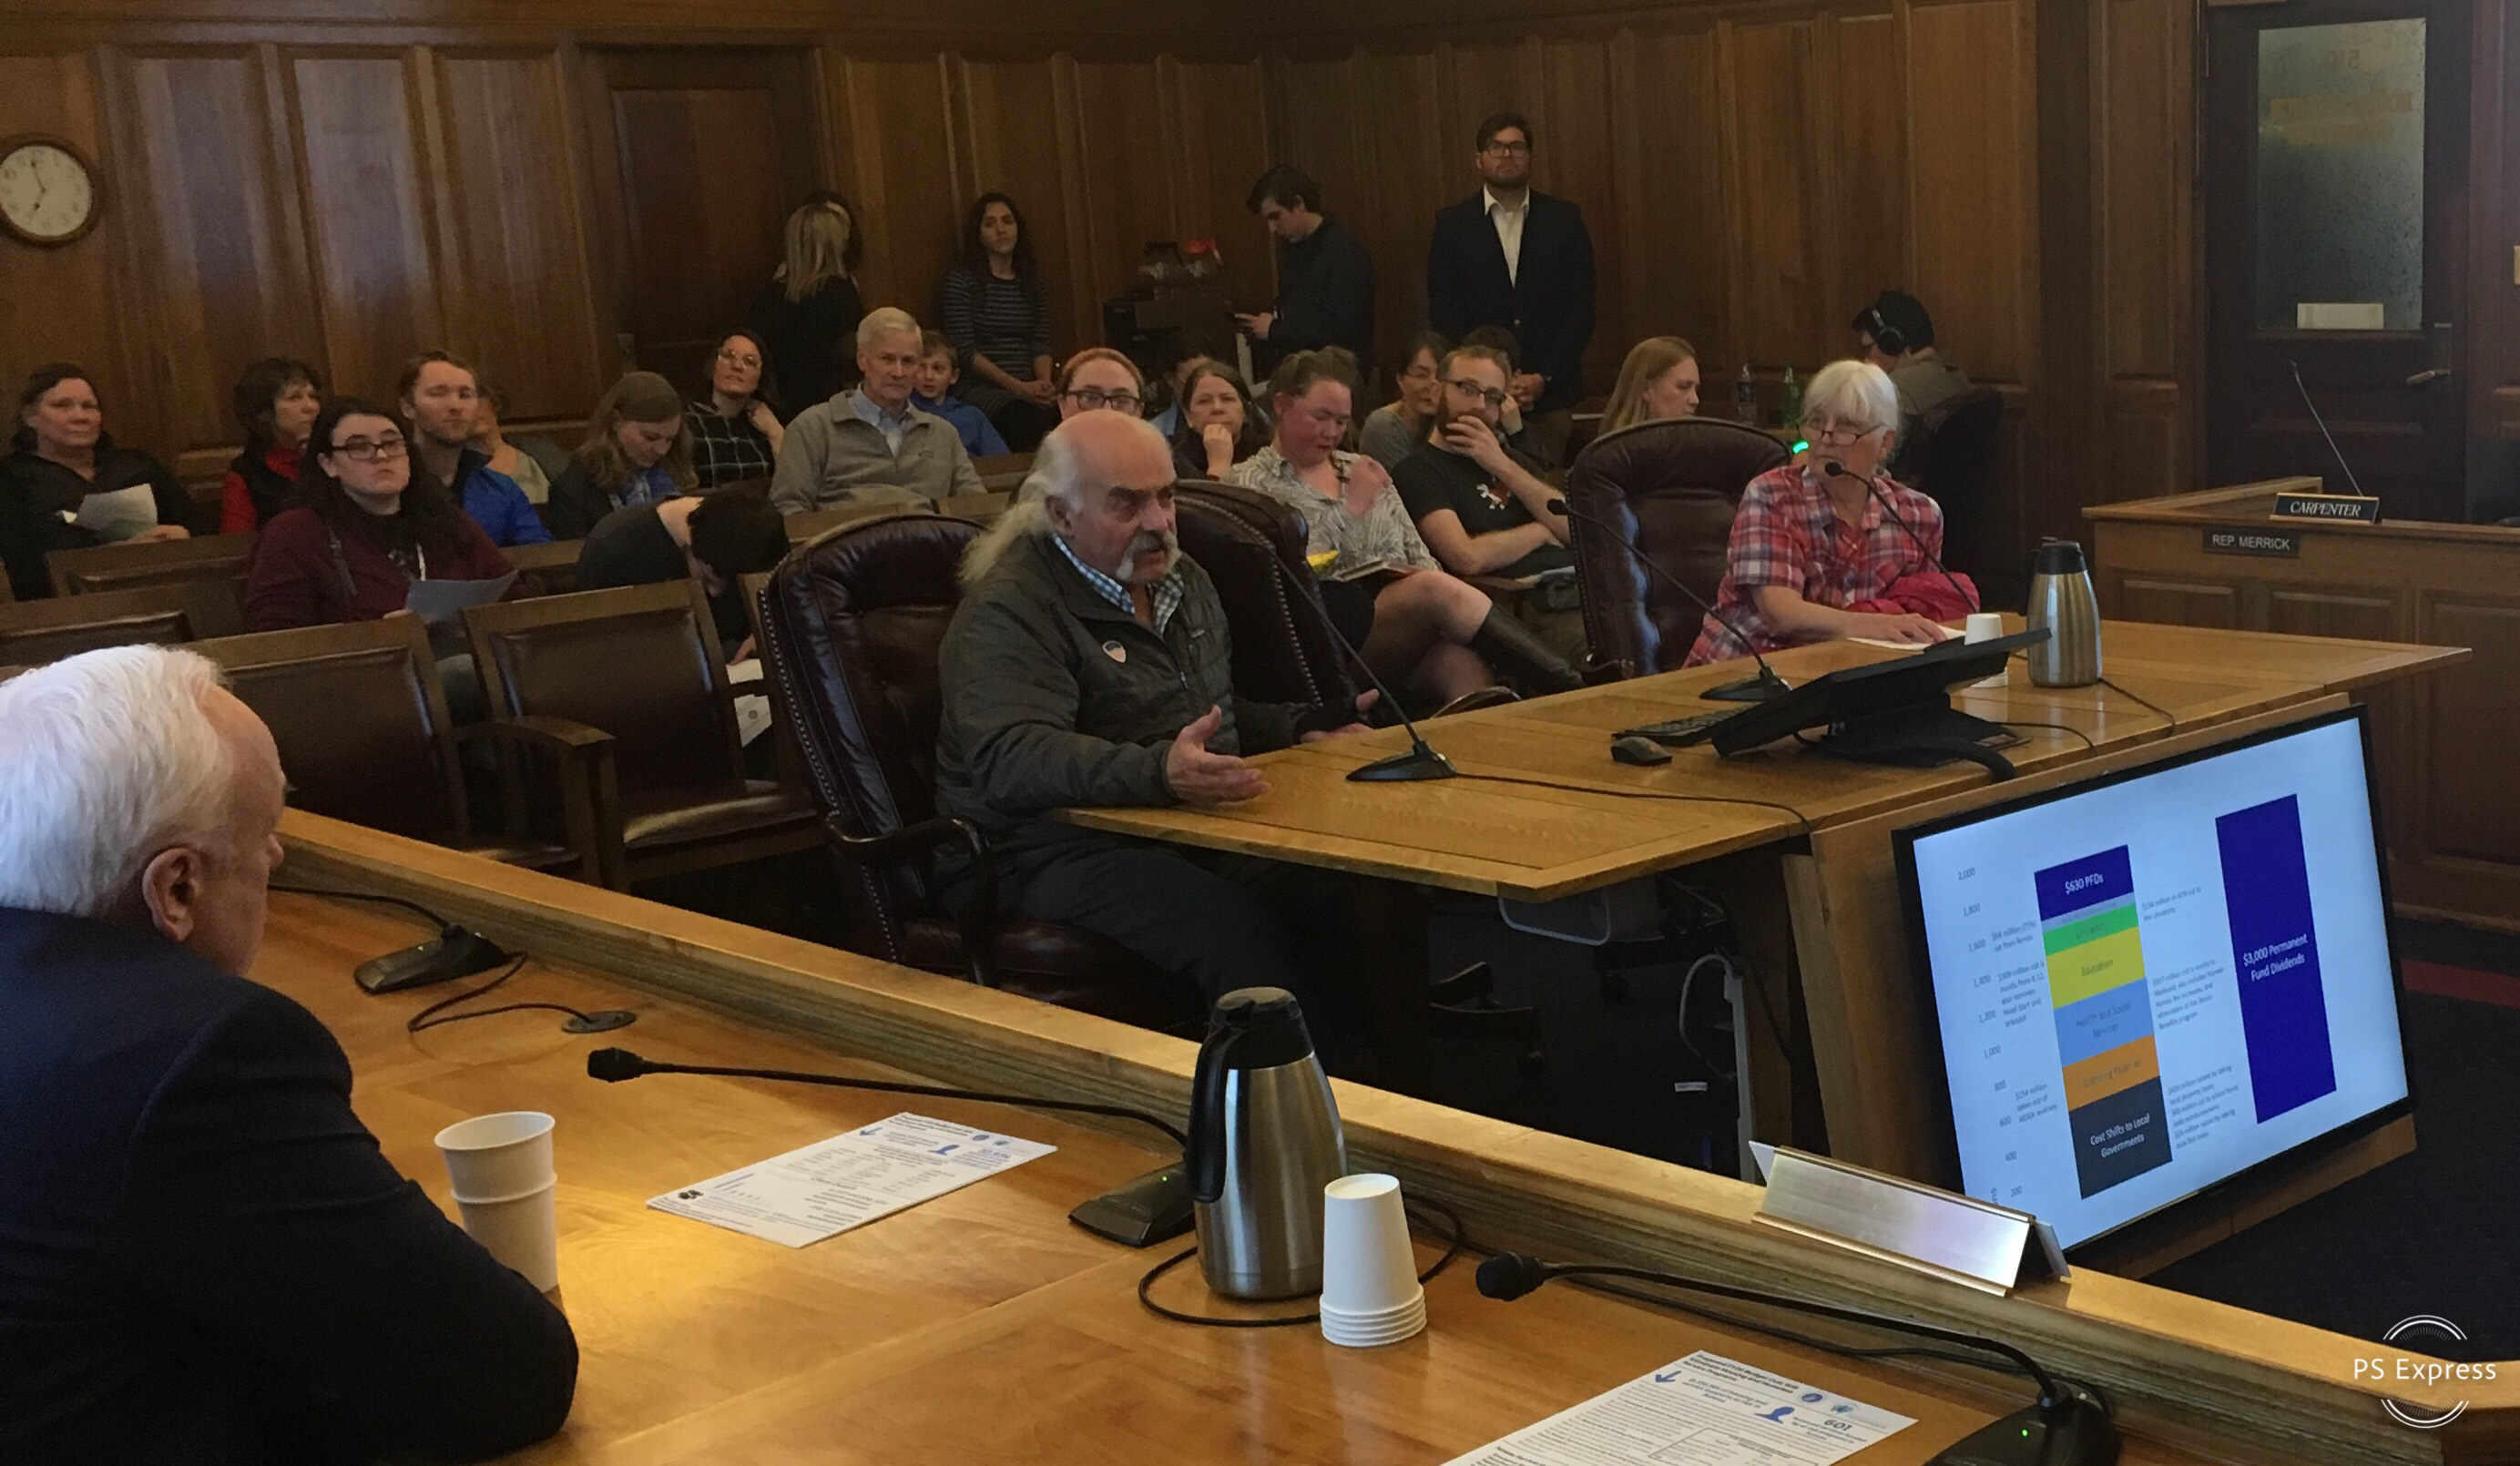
(1884, 336)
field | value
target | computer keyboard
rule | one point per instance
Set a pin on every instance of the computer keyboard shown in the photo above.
(1679, 733)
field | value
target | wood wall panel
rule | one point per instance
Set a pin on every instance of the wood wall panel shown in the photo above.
(1220, 117)
(1664, 98)
(1974, 189)
(1773, 150)
(367, 213)
(523, 308)
(2467, 804)
(217, 208)
(1872, 208)
(1128, 198)
(2145, 150)
(906, 184)
(1418, 163)
(1584, 151)
(57, 305)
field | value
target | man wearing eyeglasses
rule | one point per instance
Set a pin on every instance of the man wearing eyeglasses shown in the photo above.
(1509, 255)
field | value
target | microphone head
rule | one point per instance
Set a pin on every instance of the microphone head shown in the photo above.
(1833, 468)
(1509, 1276)
(613, 1065)
(1556, 505)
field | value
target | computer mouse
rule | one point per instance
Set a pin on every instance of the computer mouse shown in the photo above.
(1635, 748)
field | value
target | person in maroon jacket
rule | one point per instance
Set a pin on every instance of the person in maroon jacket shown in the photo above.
(364, 529)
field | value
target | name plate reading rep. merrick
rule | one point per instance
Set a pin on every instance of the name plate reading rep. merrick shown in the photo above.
(2276, 543)
(2328, 509)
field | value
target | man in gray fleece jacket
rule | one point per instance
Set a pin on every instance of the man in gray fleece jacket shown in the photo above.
(1089, 663)
(869, 444)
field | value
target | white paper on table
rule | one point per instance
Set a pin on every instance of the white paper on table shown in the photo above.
(437, 601)
(850, 1179)
(1703, 1410)
(116, 514)
(1884, 642)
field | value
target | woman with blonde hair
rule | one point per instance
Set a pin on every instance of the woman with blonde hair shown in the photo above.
(807, 316)
(1658, 379)
(636, 451)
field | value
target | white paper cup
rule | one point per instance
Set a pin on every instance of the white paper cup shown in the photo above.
(1410, 1322)
(522, 1231)
(496, 1157)
(1985, 626)
(1368, 1269)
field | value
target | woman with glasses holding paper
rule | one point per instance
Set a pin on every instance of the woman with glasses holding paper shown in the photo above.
(67, 485)
(1828, 546)
(363, 533)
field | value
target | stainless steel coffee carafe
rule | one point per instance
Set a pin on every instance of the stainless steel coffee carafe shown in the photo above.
(1264, 1140)
(2061, 600)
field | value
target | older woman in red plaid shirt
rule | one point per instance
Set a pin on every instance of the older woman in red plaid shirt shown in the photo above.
(1813, 554)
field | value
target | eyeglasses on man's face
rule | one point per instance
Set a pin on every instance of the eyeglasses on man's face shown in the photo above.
(1091, 398)
(1467, 389)
(1500, 146)
(372, 450)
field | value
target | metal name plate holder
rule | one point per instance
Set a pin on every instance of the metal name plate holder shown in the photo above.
(1939, 1233)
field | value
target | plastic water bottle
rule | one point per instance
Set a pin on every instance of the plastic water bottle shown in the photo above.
(1791, 416)
(1745, 396)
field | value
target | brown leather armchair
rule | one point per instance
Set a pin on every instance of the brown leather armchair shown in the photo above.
(1282, 653)
(360, 718)
(1670, 487)
(35, 631)
(641, 664)
(850, 629)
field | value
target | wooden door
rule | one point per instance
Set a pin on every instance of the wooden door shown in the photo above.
(700, 155)
(2335, 172)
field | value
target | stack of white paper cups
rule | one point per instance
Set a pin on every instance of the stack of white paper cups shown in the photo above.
(1370, 1290)
(502, 1169)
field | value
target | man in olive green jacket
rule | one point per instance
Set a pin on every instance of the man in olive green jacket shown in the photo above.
(1089, 663)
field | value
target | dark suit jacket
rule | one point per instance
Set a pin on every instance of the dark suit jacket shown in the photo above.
(1546, 302)
(203, 1256)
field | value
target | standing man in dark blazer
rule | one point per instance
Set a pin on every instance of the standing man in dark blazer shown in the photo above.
(203, 1256)
(1512, 257)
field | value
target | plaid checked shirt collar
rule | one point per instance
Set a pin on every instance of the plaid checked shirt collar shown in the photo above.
(1167, 591)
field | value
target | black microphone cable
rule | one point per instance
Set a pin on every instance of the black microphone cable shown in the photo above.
(432, 918)
(1456, 1238)
(1508, 1276)
(1873, 486)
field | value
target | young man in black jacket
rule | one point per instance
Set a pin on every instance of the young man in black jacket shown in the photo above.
(1325, 276)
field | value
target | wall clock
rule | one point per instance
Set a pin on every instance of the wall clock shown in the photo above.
(47, 191)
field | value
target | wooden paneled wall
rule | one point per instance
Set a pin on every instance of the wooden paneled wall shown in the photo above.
(353, 183)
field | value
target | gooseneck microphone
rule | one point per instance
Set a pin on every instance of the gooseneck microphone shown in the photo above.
(1421, 760)
(2303, 388)
(2069, 1426)
(1872, 485)
(614, 1065)
(1757, 689)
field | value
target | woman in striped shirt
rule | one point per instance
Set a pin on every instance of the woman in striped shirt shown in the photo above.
(996, 313)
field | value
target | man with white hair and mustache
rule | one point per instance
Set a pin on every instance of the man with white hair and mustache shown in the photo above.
(1089, 664)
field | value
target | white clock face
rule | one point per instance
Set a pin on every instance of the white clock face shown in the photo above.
(45, 192)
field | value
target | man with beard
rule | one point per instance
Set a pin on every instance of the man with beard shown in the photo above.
(1089, 663)
(1509, 255)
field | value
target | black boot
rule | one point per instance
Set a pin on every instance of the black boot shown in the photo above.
(1521, 658)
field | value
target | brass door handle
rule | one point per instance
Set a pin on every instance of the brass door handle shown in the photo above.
(2428, 376)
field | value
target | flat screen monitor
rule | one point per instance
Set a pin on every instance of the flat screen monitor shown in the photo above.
(2151, 983)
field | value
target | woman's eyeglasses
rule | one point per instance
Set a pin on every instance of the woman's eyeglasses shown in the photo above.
(370, 450)
(739, 359)
(1093, 398)
(1841, 433)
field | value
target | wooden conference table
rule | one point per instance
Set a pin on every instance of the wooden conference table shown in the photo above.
(1798, 841)
(983, 1326)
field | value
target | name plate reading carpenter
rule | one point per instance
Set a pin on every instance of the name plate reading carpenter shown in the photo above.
(2328, 509)
(2277, 544)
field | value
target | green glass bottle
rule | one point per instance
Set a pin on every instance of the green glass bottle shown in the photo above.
(1793, 411)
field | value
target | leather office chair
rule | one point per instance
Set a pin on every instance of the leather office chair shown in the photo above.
(1670, 487)
(360, 718)
(850, 629)
(642, 663)
(218, 560)
(35, 631)
(1951, 460)
(1282, 653)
